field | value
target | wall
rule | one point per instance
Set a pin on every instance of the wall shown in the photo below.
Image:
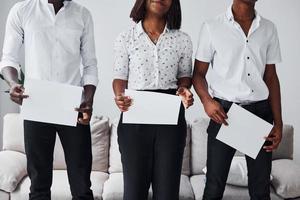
(112, 16)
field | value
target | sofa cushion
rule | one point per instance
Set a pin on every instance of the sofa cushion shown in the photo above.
(13, 133)
(286, 178)
(198, 145)
(115, 164)
(231, 192)
(113, 188)
(12, 170)
(60, 188)
(286, 146)
(4, 195)
(100, 146)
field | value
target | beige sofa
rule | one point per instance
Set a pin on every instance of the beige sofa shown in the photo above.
(106, 176)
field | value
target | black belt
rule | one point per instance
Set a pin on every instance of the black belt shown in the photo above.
(224, 102)
(168, 91)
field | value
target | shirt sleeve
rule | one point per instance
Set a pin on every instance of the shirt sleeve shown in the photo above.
(13, 40)
(121, 65)
(185, 62)
(273, 50)
(88, 53)
(205, 51)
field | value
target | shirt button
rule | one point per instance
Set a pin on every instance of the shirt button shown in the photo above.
(252, 91)
(247, 41)
(248, 74)
(248, 57)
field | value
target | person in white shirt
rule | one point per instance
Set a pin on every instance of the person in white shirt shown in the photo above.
(242, 49)
(153, 55)
(58, 37)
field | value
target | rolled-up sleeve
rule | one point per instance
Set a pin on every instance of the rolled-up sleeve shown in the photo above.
(88, 53)
(185, 62)
(13, 40)
(121, 64)
(205, 50)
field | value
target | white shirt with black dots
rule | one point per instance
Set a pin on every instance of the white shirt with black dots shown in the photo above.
(147, 66)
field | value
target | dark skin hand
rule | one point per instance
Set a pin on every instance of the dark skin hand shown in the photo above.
(123, 102)
(212, 108)
(184, 85)
(16, 92)
(272, 82)
(86, 107)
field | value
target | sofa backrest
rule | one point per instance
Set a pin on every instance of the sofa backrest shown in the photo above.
(13, 139)
(115, 164)
(199, 145)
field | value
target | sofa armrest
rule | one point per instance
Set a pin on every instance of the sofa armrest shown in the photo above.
(286, 178)
(12, 169)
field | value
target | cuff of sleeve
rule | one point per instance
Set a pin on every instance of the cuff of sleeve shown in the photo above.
(90, 80)
(184, 75)
(203, 59)
(271, 62)
(4, 64)
(125, 78)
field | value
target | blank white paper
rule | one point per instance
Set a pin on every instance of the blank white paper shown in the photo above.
(152, 108)
(51, 102)
(245, 131)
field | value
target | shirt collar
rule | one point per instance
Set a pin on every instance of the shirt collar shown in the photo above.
(230, 16)
(140, 30)
(66, 2)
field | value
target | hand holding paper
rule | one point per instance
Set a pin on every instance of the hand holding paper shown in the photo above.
(50, 102)
(245, 131)
(152, 108)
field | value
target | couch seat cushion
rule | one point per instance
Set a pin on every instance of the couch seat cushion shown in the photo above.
(4, 195)
(13, 169)
(113, 188)
(60, 188)
(231, 192)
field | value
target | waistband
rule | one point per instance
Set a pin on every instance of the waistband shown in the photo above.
(169, 91)
(222, 101)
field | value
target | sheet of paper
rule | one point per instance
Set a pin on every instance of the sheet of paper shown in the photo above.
(245, 131)
(152, 108)
(51, 102)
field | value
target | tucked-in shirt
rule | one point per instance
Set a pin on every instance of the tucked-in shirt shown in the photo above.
(238, 61)
(147, 66)
(58, 48)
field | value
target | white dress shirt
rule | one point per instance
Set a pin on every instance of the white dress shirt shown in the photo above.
(147, 66)
(238, 61)
(58, 48)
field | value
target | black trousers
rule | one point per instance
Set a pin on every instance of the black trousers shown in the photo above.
(39, 147)
(152, 154)
(219, 157)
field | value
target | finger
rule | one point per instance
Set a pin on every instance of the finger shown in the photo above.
(180, 91)
(128, 101)
(123, 108)
(19, 95)
(217, 119)
(222, 112)
(270, 148)
(220, 118)
(119, 98)
(84, 110)
(83, 122)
